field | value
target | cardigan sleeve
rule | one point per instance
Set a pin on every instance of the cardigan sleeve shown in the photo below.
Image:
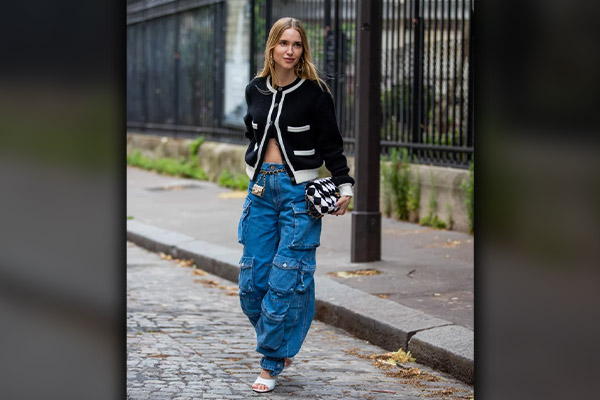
(248, 118)
(329, 140)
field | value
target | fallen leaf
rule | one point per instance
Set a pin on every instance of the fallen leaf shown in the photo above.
(352, 274)
(208, 282)
(158, 355)
(186, 263)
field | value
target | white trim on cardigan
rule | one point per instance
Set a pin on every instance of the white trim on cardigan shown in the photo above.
(298, 128)
(304, 152)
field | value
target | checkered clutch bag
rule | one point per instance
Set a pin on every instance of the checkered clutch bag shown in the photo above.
(321, 197)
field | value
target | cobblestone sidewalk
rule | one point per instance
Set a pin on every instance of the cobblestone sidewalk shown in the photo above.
(188, 339)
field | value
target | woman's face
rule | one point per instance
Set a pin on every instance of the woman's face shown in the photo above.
(288, 50)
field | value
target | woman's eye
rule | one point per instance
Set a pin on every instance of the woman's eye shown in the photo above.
(298, 45)
(283, 43)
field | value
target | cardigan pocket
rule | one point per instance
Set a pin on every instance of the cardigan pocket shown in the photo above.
(298, 128)
(310, 152)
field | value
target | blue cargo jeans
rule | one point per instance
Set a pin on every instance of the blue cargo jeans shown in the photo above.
(277, 291)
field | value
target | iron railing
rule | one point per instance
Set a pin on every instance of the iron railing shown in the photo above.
(427, 85)
(175, 69)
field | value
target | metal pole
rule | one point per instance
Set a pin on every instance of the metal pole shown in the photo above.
(268, 18)
(366, 219)
(417, 74)
(252, 41)
(471, 93)
(176, 73)
(328, 46)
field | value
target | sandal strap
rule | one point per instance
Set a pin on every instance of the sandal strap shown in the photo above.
(270, 383)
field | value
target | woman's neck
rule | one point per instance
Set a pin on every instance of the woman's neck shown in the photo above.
(281, 79)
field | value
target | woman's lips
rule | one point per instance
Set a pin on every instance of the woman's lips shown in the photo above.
(289, 59)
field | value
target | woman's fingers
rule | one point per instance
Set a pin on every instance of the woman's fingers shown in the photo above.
(342, 203)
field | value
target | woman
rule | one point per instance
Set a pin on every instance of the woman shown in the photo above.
(292, 129)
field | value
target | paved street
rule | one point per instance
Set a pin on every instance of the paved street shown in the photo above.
(188, 339)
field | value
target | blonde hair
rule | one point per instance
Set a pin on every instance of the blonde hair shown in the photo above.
(308, 71)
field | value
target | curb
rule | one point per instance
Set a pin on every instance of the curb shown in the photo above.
(432, 341)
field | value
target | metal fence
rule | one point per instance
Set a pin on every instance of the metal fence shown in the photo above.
(427, 74)
(175, 68)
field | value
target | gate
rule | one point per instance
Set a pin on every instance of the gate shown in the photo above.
(175, 67)
(427, 69)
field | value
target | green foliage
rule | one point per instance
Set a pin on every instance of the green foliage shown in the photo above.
(400, 194)
(431, 219)
(187, 168)
(190, 169)
(137, 160)
(414, 194)
(195, 145)
(238, 181)
(386, 172)
(168, 166)
(468, 187)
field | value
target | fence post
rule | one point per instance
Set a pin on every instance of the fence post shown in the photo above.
(252, 41)
(366, 219)
(417, 107)
(176, 73)
(268, 18)
(471, 93)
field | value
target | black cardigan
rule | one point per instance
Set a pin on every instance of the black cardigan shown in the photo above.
(303, 116)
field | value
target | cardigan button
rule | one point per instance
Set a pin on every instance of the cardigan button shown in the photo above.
(276, 104)
(279, 89)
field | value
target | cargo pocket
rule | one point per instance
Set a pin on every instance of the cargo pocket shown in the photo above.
(243, 224)
(305, 276)
(269, 330)
(283, 279)
(300, 299)
(307, 230)
(246, 276)
(284, 274)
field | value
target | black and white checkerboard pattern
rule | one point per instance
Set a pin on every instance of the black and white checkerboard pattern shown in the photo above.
(322, 194)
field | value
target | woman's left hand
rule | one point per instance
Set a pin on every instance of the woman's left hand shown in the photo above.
(343, 204)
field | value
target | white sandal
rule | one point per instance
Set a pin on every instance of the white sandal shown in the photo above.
(269, 383)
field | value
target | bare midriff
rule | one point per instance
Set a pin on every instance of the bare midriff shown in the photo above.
(273, 155)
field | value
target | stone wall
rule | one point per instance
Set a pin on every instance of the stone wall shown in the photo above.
(214, 157)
